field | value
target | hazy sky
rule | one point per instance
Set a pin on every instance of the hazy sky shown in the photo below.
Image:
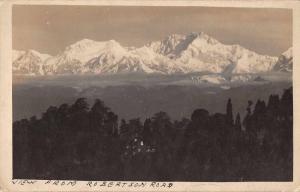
(49, 29)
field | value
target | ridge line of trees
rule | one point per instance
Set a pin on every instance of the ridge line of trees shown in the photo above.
(89, 143)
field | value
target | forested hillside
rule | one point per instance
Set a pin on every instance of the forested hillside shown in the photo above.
(85, 142)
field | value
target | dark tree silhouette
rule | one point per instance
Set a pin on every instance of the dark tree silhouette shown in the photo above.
(237, 123)
(229, 113)
(78, 142)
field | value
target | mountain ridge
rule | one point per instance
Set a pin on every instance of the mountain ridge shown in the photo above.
(285, 61)
(194, 52)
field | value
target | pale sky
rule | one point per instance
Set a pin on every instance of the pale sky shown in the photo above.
(49, 29)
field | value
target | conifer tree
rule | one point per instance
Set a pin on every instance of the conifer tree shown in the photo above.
(146, 134)
(238, 122)
(229, 112)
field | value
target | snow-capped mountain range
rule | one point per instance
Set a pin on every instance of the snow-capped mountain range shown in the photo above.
(195, 52)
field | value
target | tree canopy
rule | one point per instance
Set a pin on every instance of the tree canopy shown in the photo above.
(91, 143)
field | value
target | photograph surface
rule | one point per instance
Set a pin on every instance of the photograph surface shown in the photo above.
(152, 93)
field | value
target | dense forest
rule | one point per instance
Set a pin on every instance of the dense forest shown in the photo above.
(85, 142)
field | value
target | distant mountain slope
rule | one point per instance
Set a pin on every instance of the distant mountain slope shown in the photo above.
(200, 52)
(195, 52)
(285, 61)
(29, 62)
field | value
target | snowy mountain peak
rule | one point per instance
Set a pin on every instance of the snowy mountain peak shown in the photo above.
(29, 62)
(167, 45)
(288, 53)
(16, 54)
(21, 55)
(87, 45)
(42, 56)
(113, 45)
(81, 44)
(173, 45)
(203, 36)
(285, 61)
